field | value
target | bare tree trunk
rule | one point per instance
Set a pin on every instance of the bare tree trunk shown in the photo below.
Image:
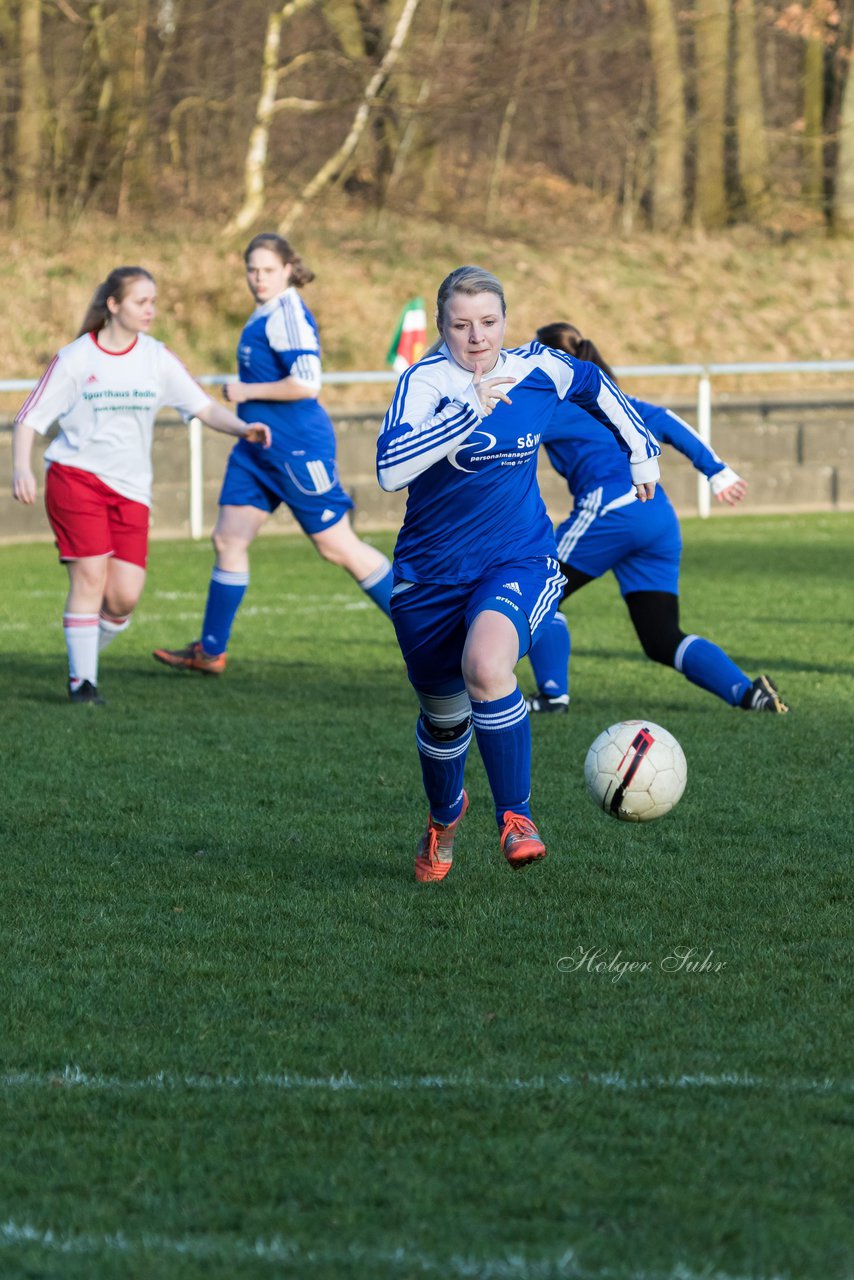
(342, 17)
(363, 37)
(842, 211)
(336, 163)
(813, 183)
(750, 115)
(134, 178)
(410, 128)
(510, 109)
(98, 135)
(712, 30)
(255, 172)
(28, 117)
(668, 192)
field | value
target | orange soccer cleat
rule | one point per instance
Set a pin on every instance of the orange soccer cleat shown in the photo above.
(435, 853)
(192, 658)
(520, 840)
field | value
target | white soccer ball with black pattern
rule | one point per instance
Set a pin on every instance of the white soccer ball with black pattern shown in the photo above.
(636, 771)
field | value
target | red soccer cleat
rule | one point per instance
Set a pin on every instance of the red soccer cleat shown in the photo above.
(435, 853)
(520, 840)
(192, 658)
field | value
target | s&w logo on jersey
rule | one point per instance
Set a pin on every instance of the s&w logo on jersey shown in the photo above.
(476, 448)
(511, 586)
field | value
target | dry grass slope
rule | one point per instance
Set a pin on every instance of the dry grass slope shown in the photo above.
(744, 295)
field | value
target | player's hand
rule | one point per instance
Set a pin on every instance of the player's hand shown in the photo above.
(489, 392)
(258, 433)
(235, 392)
(644, 492)
(24, 486)
(733, 493)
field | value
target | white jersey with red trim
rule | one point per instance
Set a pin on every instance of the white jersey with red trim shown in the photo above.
(106, 403)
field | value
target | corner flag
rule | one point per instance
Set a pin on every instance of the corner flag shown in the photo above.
(410, 339)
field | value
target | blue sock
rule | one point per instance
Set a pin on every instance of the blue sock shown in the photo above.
(443, 765)
(704, 664)
(549, 655)
(378, 586)
(503, 730)
(225, 594)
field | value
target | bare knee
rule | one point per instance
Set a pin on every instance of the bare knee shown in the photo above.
(232, 549)
(487, 675)
(122, 589)
(86, 582)
(119, 604)
(341, 546)
(331, 551)
(91, 578)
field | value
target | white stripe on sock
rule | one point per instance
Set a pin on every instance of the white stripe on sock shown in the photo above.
(679, 656)
(81, 642)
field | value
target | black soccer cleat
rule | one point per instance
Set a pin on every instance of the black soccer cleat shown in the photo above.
(541, 702)
(763, 696)
(86, 691)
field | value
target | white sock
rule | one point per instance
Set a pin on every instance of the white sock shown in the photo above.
(109, 628)
(81, 641)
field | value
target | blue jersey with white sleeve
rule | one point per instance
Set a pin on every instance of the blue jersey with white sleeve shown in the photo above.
(280, 340)
(473, 501)
(588, 461)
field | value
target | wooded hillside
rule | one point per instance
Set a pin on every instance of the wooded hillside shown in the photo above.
(704, 113)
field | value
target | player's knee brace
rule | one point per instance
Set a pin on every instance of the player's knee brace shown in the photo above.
(445, 717)
(445, 732)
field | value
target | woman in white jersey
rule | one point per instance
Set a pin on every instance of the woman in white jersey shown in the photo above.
(278, 359)
(105, 388)
(475, 566)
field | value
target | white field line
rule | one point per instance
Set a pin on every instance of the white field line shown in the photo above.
(290, 602)
(74, 1077)
(292, 1255)
(301, 610)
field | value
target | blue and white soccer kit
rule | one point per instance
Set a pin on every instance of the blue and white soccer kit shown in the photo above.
(280, 340)
(608, 528)
(476, 535)
(299, 468)
(641, 543)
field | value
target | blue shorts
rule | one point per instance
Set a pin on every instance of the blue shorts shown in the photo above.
(308, 486)
(432, 619)
(640, 542)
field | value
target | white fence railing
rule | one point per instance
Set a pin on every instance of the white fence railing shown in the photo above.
(701, 374)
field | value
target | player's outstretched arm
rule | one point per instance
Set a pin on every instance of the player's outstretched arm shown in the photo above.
(24, 487)
(725, 484)
(222, 419)
(282, 391)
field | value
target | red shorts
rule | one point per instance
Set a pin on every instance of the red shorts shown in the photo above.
(91, 519)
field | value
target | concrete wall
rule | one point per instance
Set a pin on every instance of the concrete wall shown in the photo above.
(795, 454)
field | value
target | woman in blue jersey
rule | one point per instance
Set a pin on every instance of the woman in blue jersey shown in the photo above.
(608, 530)
(475, 574)
(279, 366)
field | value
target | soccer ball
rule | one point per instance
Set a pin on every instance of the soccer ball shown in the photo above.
(635, 771)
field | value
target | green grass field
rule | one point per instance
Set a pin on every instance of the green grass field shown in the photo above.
(239, 1041)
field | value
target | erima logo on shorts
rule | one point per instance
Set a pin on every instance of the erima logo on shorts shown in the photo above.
(511, 603)
(512, 586)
